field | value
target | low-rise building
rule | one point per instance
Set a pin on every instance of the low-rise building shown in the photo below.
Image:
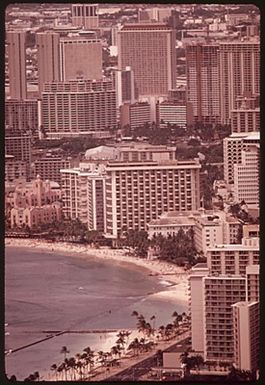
(135, 115)
(210, 227)
(32, 204)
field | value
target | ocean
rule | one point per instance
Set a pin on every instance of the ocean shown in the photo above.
(47, 291)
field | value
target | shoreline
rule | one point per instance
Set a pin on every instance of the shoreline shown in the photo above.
(174, 277)
(175, 284)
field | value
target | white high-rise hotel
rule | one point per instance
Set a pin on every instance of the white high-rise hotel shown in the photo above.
(137, 186)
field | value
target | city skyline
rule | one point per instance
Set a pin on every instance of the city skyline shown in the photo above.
(132, 158)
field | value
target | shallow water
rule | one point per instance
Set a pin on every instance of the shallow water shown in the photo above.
(48, 291)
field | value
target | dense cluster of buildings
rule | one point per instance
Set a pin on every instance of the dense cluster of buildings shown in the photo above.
(171, 69)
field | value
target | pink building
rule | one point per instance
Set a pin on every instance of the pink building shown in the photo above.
(34, 203)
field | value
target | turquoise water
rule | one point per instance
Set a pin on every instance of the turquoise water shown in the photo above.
(48, 291)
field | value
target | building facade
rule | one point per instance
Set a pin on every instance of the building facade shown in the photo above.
(149, 49)
(85, 15)
(16, 51)
(232, 147)
(219, 293)
(232, 259)
(246, 177)
(89, 54)
(246, 316)
(203, 84)
(135, 115)
(69, 108)
(21, 114)
(239, 73)
(49, 166)
(48, 57)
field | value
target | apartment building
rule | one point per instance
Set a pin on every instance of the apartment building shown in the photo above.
(253, 283)
(49, 166)
(48, 57)
(16, 51)
(125, 86)
(239, 73)
(233, 146)
(219, 293)
(203, 85)
(15, 169)
(69, 108)
(232, 259)
(196, 305)
(246, 177)
(246, 115)
(149, 49)
(18, 144)
(21, 114)
(246, 316)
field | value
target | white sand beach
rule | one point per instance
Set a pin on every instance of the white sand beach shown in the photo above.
(173, 277)
(171, 274)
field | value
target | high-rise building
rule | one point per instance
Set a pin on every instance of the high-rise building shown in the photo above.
(171, 112)
(196, 305)
(252, 283)
(137, 189)
(149, 49)
(67, 58)
(18, 144)
(15, 169)
(137, 192)
(69, 108)
(80, 58)
(239, 73)
(83, 195)
(21, 114)
(48, 57)
(85, 15)
(246, 177)
(16, 50)
(125, 86)
(246, 335)
(246, 116)
(232, 259)
(233, 146)
(203, 81)
(219, 293)
(49, 166)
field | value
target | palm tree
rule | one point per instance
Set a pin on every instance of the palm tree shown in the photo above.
(135, 346)
(64, 351)
(153, 318)
(54, 369)
(72, 366)
(135, 313)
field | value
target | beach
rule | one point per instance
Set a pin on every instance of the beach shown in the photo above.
(66, 286)
(176, 275)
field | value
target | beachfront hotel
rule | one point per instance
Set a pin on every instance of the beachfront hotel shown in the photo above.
(136, 190)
